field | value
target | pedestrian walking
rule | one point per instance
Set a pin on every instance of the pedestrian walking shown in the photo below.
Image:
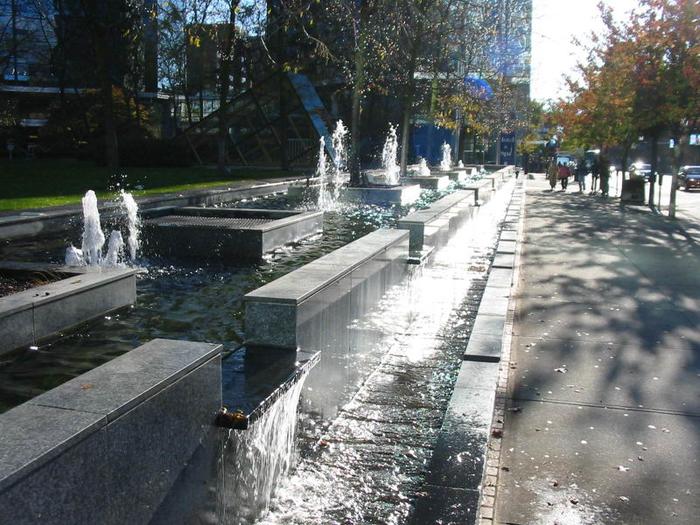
(563, 172)
(580, 176)
(552, 173)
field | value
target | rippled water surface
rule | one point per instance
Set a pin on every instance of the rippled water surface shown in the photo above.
(174, 299)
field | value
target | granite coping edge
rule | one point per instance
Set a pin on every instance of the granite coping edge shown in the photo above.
(258, 295)
(479, 374)
(475, 375)
(28, 299)
(486, 506)
(274, 224)
(439, 207)
(393, 189)
(97, 420)
(168, 377)
(289, 221)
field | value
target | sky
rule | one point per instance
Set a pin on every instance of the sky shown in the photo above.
(554, 24)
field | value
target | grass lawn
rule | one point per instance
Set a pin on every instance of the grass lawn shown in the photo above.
(41, 182)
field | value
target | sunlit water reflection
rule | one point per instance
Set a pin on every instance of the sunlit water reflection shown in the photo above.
(368, 463)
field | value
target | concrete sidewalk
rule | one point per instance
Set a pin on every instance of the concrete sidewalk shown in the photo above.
(603, 413)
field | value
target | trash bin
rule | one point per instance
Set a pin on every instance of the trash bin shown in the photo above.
(632, 191)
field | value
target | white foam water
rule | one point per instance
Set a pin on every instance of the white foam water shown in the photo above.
(91, 250)
(131, 209)
(256, 459)
(74, 256)
(423, 169)
(325, 196)
(115, 250)
(93, 237)
(446, 162)
(390, 152)
(340, 160)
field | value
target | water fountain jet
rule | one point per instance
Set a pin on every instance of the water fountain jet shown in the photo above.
(446, 162)
(93, 240)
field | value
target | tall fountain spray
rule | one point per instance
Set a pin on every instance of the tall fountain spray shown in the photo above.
(133, 222)
(90, 253)
(446, 162)
(93, 237)
(325, 195)
(392, 170)
(423, 169)
(332, 180)
(341, 156)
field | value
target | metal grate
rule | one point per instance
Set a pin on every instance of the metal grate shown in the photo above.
(209, 222)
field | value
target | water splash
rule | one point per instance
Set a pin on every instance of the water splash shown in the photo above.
(332, 180)
(370, 456)
(74, 256)
(115, 250)
(93, 237)
(390, 152)
(256, 459)
(131, 209)
(446, 162)
(339, 147)
(423, 169)
(340, 160)
(325, 195)
(91, 251)
(460, 165)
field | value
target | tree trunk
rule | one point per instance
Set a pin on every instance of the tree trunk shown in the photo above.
(357, 89)
(677, 161)
(283, 130)
(111, 144)
(625, 158)
(654, 162)
(188, 108)
(408, 103)
(227, 51)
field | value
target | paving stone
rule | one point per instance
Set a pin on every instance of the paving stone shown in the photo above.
(483, 348)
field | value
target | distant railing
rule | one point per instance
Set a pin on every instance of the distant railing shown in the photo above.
(297, 147)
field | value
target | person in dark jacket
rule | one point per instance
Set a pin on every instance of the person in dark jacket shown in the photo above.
(580, 177)
(564, 172)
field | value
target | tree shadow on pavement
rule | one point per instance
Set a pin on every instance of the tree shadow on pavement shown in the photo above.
(607, 316)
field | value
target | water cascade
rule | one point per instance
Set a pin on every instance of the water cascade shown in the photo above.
(446, 162)
(372, 455)
(423, 169)
(392, 170)
(256, 459)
